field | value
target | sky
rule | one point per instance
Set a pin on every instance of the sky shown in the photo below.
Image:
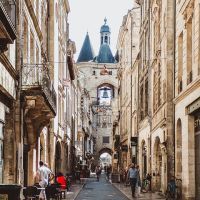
(88, 16)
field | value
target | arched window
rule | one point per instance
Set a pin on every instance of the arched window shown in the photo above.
(106, 39)
(105, 92)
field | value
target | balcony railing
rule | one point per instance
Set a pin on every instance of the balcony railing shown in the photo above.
(36, 77)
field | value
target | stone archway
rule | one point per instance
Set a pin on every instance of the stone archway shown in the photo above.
(157, 168)
(105, 161)
(106, 150)
(179, 149)
(58, 158)
(105, 89)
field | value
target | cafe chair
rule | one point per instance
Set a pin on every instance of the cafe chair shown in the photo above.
(30, 193)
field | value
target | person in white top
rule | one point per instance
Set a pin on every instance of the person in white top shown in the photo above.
(43, 176)
(51, 176)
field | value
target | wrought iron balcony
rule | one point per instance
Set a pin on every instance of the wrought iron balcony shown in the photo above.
(7, 23)
(36, 81)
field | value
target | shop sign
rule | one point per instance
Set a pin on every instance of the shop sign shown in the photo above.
(197, 124)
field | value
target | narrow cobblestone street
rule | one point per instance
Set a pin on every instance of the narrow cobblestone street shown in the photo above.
(102, 190)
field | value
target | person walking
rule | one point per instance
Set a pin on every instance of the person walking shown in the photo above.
(108, 172)
(132, 176)
(138, 184)
(98, 172)
(43, 177)
(50, 174)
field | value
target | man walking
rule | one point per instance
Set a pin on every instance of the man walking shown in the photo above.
(132, 175)
(43, 176)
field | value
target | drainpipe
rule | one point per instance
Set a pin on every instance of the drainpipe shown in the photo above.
(131, 77)
(21, 112)
(174, 85)
(149, 85)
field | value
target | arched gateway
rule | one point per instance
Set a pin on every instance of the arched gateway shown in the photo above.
(99, 80)
(105, 150)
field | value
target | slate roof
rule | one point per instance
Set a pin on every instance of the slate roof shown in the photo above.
(86, 53)
(105, 55)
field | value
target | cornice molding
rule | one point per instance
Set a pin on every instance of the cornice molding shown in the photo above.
(191, 87)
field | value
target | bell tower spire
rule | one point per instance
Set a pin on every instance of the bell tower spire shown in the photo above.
(105, 33)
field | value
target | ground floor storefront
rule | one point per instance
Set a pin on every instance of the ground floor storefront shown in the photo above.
(187, 143)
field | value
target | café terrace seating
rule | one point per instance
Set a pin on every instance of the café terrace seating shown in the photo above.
(53, 192)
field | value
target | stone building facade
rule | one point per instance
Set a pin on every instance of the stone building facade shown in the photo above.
(187, 95)
(36, 99)
(127, 47)
(28, 100)
(155, 92)
(161, 65)
(62, 51)
(8, 82)
(151, 137)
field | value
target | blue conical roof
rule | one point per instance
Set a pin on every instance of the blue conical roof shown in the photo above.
(86, 53)
(105, 55)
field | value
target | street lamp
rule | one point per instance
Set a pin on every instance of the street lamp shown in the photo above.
(134, 143)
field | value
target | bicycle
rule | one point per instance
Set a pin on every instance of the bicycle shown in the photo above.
(174, 189)
(145, 185)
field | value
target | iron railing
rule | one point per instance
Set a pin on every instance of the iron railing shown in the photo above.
(35, 76)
